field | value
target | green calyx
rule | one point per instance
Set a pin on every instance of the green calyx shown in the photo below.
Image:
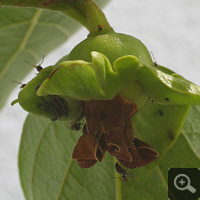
(99, 80)
(169, 88)
(94, 80)
(50, 106)
(114, 46)
(99, 68)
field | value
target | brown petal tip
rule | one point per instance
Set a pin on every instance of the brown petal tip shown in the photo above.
(86, 163)
(146, 151)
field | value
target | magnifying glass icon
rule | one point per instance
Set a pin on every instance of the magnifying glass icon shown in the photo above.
(184, 183)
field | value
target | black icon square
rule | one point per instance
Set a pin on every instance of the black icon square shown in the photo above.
(184, 184)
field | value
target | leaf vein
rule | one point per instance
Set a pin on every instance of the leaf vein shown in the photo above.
(60, 28)
(14, 24)
(162, 178)
(64, 179)
(190, 144)
(37, 148)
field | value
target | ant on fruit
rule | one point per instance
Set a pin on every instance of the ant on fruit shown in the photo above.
(123, 172)
(155, 62)
(22, 84)
(38, 67)
(100, 27)
(76, 126)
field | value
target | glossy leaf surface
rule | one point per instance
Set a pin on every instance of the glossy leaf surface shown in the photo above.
(99, 79)
(48, 172)
(168, 88)
(27, 35)
(95, 80)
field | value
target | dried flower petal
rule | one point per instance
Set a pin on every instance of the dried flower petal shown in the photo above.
(142, 154)
(117, 146)
(108, 127)
(84, 151)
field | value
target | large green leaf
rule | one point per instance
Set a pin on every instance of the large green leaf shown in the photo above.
(160, 125)
(48, 172)
(27, 34)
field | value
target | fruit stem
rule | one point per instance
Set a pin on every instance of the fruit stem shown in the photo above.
(85, 12)
(96, 19)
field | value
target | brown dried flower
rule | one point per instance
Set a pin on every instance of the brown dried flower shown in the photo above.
(108, 127)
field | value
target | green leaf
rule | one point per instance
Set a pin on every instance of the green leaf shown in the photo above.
(27, 35)
(184, 152)
(191, 131)
(85, 12)
(168, 89)
(159, 125)
(48, 172)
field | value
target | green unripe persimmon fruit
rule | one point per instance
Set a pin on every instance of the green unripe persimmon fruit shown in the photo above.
(115, 45)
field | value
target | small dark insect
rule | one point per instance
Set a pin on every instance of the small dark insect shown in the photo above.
(152, 101)
(55, 105)
(37, 87)
(123, 172)
(22, 84)
(155, 62)
(171, 135)
(54, 119)
(166, 99)
(76, 126)
(160, 112)
(39, 67)
(60, 109)
(100, 27)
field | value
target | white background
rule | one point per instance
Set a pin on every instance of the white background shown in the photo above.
(169, 28)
